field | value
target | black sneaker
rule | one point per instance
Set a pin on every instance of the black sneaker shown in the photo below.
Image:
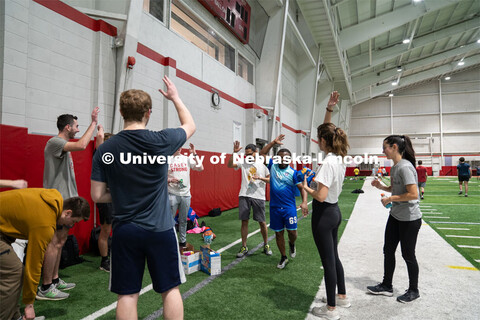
(105, 265)
(408, 296)
(182, 244)
(293, 251)
(460, 192)
(283, 262)
(466, 195)
(381, 289)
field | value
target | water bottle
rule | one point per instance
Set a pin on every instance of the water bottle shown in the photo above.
(389, 205)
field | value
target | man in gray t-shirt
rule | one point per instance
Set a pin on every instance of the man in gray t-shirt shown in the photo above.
(58, 174)
(403, 174)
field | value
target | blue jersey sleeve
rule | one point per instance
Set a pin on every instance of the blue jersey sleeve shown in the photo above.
(270, 164)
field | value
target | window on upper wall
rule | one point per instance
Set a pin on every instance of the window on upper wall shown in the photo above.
(201, 35)
(245, 69)
(155, 8)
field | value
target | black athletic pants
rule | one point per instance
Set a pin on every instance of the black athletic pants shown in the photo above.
(326, 219)
(406, 233)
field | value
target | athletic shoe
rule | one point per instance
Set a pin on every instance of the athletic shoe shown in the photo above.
(52, 293)
(62, 285)
(266, 250)
(283, 262)
(105, 265)
(460, 192)
(466, 195)
(293, 251)
(408, 296)
(243, 251)
(421, 197)
(325, 313)
(182, 244)
(339, 302)
(381, 289)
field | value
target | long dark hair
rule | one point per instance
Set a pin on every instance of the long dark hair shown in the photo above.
(405, 147)
(335, 138)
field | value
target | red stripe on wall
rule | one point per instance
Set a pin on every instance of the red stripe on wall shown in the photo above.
(157, 57)
(293, 130)
(79, 17)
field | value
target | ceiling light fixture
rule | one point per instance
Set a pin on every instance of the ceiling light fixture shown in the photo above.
(394, 83)
(399, 68)
(461, 63)
(405, 41)
(390, 94)
(447, 78)
(478, 41)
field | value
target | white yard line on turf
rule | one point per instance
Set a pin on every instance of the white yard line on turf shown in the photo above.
(453, 228)
(436, 217)
(455, 204)
(112, 306)
(249, 235)
(471, 247)
(456, 236)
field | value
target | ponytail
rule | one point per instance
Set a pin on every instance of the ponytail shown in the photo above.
(405, 147)
(335, 138)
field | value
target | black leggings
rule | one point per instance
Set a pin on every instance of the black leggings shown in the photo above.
(406, 233)
(326, 219)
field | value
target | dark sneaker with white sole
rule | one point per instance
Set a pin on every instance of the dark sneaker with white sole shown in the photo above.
(381, 289)
(283, 262)
(408, 296)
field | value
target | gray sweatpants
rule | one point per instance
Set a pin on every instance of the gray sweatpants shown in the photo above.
(182, 204)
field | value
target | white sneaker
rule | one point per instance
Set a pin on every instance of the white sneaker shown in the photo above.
(324, 313)
(283, 262)
(344, 303)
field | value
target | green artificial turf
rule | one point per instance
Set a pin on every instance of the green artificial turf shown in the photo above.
(253, 288)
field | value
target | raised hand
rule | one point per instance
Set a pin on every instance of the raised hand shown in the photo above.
(171, 93)
(95, 114)
(279, 139)
(334, 96)
(192, 149)
(236, 146)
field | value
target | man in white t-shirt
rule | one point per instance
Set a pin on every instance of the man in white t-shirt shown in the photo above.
(252, 195)
(179, 188)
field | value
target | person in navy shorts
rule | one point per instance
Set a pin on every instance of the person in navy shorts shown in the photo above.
(143, 226)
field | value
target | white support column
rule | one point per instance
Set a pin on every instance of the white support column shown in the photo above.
(391, 115)
(441, 120)
(129, 49)
(277, 105)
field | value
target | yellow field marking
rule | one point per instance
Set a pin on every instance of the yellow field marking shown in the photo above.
(463, 268)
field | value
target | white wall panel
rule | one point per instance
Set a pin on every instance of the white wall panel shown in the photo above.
(374, 107)
(416, 104)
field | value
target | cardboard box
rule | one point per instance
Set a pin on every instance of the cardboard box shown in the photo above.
(191, 263)
(211, 261)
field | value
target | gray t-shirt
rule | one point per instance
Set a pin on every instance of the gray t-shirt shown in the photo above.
(58, 171)
(403, 174)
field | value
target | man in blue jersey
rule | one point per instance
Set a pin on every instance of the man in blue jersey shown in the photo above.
(132, 163)
(464, 173)
(283, 208)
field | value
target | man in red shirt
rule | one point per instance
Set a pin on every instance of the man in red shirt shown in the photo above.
(422, 177)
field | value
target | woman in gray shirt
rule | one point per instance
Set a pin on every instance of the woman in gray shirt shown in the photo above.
(405, 217)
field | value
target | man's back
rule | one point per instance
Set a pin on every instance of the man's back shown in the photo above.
(463, 169)
(139, 191)
(58, 170)
(421, 173)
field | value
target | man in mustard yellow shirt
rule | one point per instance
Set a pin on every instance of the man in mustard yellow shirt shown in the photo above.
(33, 215)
